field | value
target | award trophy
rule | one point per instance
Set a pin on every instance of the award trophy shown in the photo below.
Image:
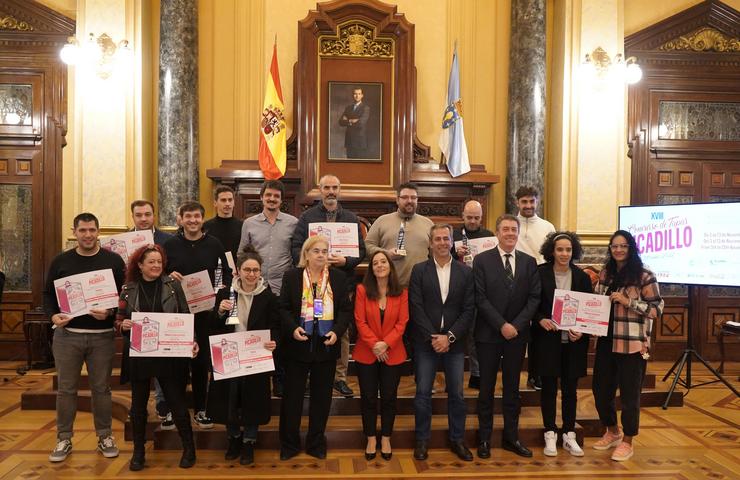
(468, 258)
(401, 243)
(233, 318)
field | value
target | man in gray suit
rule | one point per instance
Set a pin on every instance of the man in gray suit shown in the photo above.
(507, 294)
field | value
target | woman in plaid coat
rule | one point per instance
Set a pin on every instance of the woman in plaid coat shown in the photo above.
(621, 356)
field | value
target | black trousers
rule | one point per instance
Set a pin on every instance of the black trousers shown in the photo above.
(568, 402)
(321, 383)
(509, 355)
(200, 368)
(372, 377)
(174, 394)
(623, 371)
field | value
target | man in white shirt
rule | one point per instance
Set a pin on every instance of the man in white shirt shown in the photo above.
(441, 306)
(532, 233)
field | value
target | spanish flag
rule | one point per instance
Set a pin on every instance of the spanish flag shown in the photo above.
(272, 155)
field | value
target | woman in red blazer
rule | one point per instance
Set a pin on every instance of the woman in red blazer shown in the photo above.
(381, 315)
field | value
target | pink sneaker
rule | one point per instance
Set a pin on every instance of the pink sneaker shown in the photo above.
(623, 452)
(609, 440)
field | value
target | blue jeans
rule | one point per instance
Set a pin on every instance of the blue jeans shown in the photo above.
(249, 435)
(425, 368)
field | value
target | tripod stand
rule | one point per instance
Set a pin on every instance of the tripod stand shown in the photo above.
(685, 361)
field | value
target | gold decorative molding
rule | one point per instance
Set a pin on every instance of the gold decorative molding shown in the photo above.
(355, 40)
(704, 39)
(11, 23)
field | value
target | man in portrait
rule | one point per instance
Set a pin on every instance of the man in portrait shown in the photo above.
(355, 119)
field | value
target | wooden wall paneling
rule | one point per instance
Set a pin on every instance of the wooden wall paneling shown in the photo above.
(690, 64)
(32, 154)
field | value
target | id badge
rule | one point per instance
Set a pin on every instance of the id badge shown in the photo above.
(318, 308)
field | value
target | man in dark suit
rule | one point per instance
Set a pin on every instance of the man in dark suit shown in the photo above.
(441, 305)
(507, 294)
(355, 118)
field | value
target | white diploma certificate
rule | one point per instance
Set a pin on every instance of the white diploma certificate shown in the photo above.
(230, 260)
(161, 334)
(77, 294)
(343, 237)
(479, 245)
(581, 312)
(239, 354)
(125, 244)
(198, 291)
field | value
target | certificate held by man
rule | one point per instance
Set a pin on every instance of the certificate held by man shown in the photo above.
(161, 334)
(581, 312)
(479, 245)
(343, 237)
(198, 291)
(124, 244)
(78, 294)
(240, 354)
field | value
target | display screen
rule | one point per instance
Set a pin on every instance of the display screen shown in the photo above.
(695, 244)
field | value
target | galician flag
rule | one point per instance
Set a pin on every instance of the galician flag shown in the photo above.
(272, 153)
(452, 138)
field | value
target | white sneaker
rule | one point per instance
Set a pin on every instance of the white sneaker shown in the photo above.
(551, 440)
(61, 451)
(570, 444)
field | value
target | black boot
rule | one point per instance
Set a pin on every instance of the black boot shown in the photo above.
(234, 448)
(138, 425)
(247, 456)
(188, 444)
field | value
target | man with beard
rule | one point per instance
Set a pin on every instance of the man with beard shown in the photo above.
(472, 216)
(190, 251)
(270, 233)
(87, 339)
(329, 210)
(533, 231)
(403, 234)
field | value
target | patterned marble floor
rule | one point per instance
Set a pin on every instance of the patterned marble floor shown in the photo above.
(699, 440)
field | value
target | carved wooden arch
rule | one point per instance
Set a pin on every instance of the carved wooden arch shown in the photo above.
(347, 28)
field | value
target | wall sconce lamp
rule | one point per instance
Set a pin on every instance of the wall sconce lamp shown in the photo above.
(102, 53)
(598, 65)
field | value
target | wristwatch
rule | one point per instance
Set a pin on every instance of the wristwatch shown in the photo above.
(451, 337)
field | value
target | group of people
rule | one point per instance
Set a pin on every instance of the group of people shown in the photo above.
(426, 295)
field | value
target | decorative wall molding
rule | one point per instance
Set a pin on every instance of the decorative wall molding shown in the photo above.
(702, 40)
(9, 22)
(355, 39)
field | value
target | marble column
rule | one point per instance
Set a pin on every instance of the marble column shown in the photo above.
(526, 148)
(178, 107)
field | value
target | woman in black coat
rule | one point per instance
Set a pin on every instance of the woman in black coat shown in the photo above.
(559, 353)
(315, 311)
(243, 403)
(147, 289)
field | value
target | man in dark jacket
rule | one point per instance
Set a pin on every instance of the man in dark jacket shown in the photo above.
(441, 307)
(329, 210)
(507, 294)
(142, 213)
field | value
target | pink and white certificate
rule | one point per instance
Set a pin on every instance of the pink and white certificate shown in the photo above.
(240, 354)
(161, 334)
(581, 312)
(343, 237)
(479, 245)
(77, 294)
(125, 244)
(198, 291)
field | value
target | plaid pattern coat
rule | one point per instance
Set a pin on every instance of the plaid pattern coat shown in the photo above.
(633, 325)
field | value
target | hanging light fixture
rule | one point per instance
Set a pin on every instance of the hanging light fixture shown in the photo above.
(599, 65)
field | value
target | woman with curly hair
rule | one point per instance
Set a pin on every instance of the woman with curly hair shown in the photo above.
(559, 354)
(621, 356)
(147, 289)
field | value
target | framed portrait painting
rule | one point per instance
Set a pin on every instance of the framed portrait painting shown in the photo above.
(355, 121)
